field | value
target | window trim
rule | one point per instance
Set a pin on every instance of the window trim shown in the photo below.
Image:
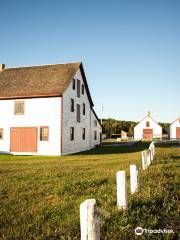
(23, 107)
(2, 133)
(40, 134)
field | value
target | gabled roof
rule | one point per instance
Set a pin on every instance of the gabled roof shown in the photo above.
(96, 117)
(176, 120)
(37, 81)
(145, 118)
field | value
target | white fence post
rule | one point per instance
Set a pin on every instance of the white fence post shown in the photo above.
(152, 155)
(121, 189)
(153, 149)
(134, 178)
(144, 160)
(148, 157)
(89, 220)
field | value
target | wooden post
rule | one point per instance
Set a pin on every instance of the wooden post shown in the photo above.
(121, 190)
(144, 160)
(134, 178)
(89, 220)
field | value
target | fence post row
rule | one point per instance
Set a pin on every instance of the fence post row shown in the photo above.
(148, 156)
(121, 189)
(89, 220)
(134, 178)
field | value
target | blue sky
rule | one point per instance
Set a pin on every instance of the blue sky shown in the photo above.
(130, 49)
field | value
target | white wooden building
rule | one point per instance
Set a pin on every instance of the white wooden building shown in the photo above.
(148, 129)
(175, 129)
(47, 110)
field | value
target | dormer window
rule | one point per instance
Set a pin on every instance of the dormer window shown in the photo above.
(19, 108)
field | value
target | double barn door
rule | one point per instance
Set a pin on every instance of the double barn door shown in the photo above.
(23, 139)
(147, 133)
(178, 132)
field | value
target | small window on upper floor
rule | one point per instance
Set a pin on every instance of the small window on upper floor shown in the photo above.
(72, 133)
(95, 135)
(84, 109)
(78, 113)
(19, 108)
(78, 88)
(95, 123)
(44, 133)
(82, 89)
(72, 105)
(1, 133)
(73, 84)
(147, 124)
(83, 133)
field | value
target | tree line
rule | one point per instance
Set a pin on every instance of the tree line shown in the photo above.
(112, 126)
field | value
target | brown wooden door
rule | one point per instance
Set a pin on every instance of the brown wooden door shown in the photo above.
(178, 132)
(23, 139)
(147, 133)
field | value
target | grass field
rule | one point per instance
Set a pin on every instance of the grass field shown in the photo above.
(40, 196)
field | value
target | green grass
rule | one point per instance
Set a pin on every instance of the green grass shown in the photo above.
(40, 196)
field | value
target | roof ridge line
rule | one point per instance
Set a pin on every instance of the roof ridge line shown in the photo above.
(43, 65)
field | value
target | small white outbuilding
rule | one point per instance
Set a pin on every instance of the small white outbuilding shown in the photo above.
(147, 129)
(175, 129)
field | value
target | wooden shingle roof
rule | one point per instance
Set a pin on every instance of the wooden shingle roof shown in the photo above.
(37, 81)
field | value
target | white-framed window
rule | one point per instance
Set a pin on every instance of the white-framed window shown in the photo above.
(44, 133)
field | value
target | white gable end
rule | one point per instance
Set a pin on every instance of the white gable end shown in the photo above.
(147, 125)
(175, 129)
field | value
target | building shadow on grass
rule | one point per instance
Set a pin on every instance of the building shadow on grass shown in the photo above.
(176, 157)
(137, 147)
